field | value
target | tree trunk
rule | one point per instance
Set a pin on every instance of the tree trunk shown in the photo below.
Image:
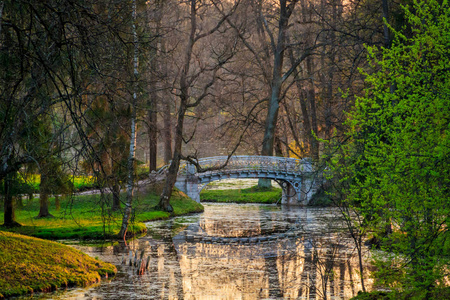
(44, 191)
(311, 94)
(57, 202)
(278, 147)
(1, 16)
(131, 156)
(153, 94)
(167, 135)
(272, 112)
(30, 197)
(307, 136)
(186, 100)
(164, 202)
(9, 217)
(387, 36)
(116, 196)
(19, 201)
(152, 130)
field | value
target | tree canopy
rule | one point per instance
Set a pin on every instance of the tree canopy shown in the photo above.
(395, 167)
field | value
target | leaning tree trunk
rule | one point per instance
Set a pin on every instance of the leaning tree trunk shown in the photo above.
(131, 156)
(185, 84)
(277, 81)
(171, 178)
(164, 201)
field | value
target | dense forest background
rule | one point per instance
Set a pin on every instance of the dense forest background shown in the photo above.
(241, 66)
(105, 88)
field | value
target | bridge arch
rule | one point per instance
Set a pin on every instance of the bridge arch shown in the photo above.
(295, 176)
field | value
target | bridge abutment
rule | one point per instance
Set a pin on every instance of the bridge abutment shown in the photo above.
(290, 193)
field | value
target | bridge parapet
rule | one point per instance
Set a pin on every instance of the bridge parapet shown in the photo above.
(250, 163)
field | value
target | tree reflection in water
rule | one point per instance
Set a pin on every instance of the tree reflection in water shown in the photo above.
(237, 252)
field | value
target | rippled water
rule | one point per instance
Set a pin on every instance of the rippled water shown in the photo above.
(234, 251)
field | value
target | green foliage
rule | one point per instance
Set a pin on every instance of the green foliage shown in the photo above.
(395, 169)
(20, 186)
(89, 217)
(32, 265)
(79, 183)
(438, 294)
(249, 195)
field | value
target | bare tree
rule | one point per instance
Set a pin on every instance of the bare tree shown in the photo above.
(189, 96)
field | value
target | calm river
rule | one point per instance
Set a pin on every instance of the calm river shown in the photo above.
(234, 251)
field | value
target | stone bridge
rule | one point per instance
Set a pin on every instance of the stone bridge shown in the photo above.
(297, 177)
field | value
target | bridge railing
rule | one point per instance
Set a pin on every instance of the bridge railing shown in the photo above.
(255, 163)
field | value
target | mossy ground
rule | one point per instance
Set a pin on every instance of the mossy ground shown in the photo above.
(90, 217)
(30, 265)
(248, 195)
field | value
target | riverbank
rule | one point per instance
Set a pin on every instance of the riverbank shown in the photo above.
(34, 265)
(88, 217)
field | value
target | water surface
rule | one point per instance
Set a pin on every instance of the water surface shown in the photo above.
(234, 251)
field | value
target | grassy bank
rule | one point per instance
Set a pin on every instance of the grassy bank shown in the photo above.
(248, 195)
(89, 217)
(31, 265)
(437, 293)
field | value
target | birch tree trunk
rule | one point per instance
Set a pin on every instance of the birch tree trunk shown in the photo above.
(131, 156)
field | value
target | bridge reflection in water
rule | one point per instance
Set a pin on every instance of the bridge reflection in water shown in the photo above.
(237, 252)
(258, 255)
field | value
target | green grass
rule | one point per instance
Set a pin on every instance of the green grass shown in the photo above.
(30, 265)
(83, 182)
(249, 195)
(89, 217)
(80, 183)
